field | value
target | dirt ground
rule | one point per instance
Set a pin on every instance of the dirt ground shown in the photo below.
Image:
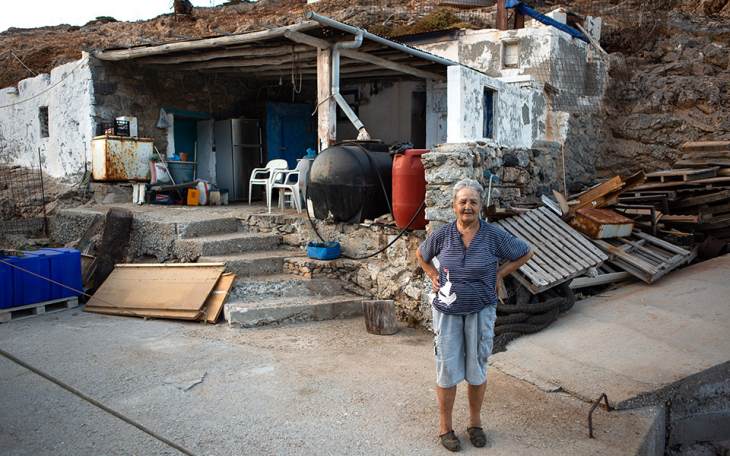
(317, 388)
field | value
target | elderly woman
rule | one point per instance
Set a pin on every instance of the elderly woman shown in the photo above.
(464, 277)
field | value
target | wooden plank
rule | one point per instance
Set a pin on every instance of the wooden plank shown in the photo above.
(708, 212)
(704, 163)
(366, 57)
(248, 51)
(589, 196)
(559, 234)
(326, 105)
(572, 236)
(661, 243)
(705, 146)
(703, 199)
(682, 175)
(602, 279)
(214, 304)
(190, 315)
(647, 269)
(542, 255)
(159, 287)
(711, 181)
(208, 43)
(558, 248)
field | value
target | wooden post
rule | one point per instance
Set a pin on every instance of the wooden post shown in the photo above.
(380, 317)
(501, 16)
(519, 21)
(326, 105)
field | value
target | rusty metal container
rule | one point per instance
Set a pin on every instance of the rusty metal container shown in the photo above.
(601, 223)
(118, 158)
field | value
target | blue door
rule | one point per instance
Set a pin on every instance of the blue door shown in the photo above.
(289, 131)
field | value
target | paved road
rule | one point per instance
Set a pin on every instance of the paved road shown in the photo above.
(316, 388)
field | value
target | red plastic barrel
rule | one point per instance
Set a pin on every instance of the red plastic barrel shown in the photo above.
(409, 188)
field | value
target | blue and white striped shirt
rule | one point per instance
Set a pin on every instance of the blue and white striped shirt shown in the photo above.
(473, 270)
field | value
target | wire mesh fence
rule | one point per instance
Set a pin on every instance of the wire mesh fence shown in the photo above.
(22, 201)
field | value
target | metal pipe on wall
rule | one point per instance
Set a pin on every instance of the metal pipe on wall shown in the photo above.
(362, 133)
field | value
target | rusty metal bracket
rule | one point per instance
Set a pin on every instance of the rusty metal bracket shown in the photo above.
(607, 407)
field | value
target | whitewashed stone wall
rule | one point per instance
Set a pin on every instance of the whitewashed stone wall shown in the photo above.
(515, 111)
(68, 93)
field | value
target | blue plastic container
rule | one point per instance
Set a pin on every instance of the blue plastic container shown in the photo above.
(67, 270)
(56, 264)
(6, 284)
(323, 250)
(27, 288)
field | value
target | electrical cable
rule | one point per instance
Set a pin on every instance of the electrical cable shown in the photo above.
(95, 403)
(65, 76)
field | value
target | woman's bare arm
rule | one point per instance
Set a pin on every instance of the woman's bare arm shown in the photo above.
(511, 266)
(430, 271)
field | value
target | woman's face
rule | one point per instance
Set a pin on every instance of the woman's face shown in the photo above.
(467, 205)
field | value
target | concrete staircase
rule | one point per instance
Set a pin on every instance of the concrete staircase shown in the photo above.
(263, 294)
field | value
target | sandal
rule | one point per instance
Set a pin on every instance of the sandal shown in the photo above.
(450, 441)
(477, 436)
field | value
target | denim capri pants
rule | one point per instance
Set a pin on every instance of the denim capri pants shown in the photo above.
(462, 344)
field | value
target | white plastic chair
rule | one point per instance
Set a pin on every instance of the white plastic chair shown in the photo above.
(287, 186)
(264, 176)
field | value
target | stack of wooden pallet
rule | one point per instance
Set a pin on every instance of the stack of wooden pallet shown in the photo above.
(693, 198)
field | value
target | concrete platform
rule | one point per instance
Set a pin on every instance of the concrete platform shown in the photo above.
(314, 388)
(632, 342)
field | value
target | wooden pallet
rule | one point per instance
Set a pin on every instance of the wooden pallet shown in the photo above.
(31, 310)
(560, 252)
(645, 256)
(681, 175)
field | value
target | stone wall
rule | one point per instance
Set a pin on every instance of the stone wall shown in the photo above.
(67, 94)
(519, 175)
(393, 274)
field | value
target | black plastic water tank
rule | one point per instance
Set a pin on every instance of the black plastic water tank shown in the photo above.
(345, 180)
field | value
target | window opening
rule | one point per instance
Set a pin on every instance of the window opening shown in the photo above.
(511, 54)
(488, 109)
(43, 120)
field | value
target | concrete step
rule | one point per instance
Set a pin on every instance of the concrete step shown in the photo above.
(224, 244)
(254, 263)
(208, 227)
(273, 286)
(292, 309)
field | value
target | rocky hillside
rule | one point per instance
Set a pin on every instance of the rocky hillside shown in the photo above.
(672, 89)
(670, 73)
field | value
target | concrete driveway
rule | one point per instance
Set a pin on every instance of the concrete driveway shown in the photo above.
(315, 388)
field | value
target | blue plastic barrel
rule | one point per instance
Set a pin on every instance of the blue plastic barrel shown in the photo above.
(6, 284)
(57, 263)
(27, 288)
(69, 273)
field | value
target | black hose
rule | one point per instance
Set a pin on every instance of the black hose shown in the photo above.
(537, 308)
(511, 319)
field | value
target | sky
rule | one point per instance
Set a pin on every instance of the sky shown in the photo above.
(37, 13)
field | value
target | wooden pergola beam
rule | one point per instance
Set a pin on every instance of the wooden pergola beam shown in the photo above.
(256, 62)
(303, 38)
(146, 51)
(225, 53)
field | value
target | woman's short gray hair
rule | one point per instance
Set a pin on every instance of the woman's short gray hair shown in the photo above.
(467, 183)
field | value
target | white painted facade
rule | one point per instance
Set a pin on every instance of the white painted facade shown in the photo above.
(513, 110)
(67, 92)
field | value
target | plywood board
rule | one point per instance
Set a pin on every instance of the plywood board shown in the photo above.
(214, 303)
(158, 287)
(147, 313)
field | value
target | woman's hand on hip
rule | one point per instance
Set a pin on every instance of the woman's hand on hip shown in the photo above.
(435, 285)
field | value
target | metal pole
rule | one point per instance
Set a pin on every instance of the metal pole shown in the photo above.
(43, 193)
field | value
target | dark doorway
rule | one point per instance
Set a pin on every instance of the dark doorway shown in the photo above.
(418, 120)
